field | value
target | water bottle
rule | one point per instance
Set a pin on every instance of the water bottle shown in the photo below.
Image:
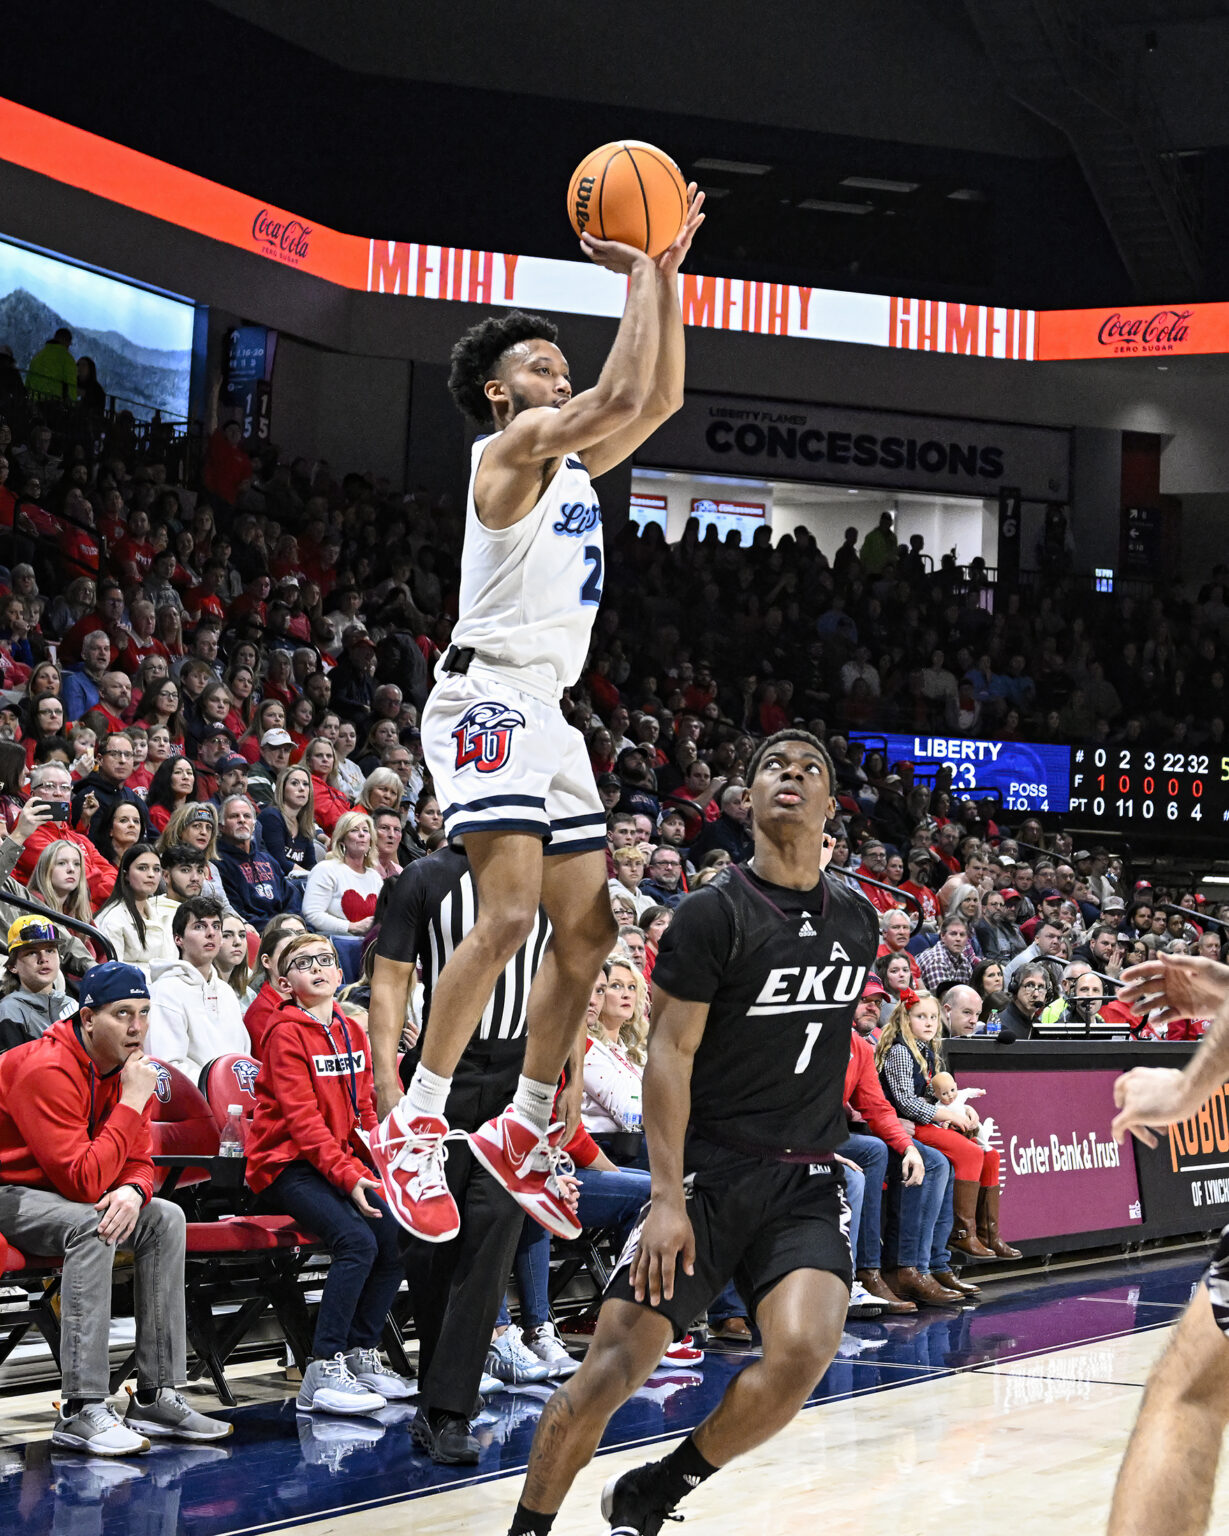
(633, 1119)
(993, 1026)
(234, 1132)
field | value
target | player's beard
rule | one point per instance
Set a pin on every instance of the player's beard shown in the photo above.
(520, 402)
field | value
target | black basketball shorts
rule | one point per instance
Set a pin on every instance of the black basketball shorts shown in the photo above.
(754, 1223)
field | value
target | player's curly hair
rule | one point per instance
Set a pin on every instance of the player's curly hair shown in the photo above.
(792, 733)
(476, 356)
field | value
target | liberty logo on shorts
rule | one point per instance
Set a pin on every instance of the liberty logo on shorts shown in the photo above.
(484, 736)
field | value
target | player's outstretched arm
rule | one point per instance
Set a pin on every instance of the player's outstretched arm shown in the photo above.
(678, 1028)
(1148, 1097)
(617, 399)
(666, 392)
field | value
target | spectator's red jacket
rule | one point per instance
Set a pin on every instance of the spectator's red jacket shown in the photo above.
(865, 1096)
(99, 875)
(62, 1126)
(331, 804)
(313, 1093)
(261, 1012)
(915, 970)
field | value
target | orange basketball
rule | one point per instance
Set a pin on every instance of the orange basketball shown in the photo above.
(631, 192)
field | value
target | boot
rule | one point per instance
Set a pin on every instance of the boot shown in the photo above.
(871, 1280)
(953, 1282)
(988, 1224)
(964, 1232)
(912, 1285)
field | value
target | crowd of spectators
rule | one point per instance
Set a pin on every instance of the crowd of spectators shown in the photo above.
(209, 750)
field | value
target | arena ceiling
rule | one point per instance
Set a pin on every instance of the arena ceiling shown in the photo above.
(890, 145)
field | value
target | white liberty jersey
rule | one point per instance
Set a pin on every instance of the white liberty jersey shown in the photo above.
(530, 593)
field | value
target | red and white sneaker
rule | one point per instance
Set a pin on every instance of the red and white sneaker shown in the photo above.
(684, 1352)
(409, 1156)
(528, 1166)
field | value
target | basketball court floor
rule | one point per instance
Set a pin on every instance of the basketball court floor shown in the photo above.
(1011, 1415)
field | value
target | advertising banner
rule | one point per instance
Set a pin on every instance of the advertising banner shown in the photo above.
(766, 439)
(1185, 1180)
(1060, 1170)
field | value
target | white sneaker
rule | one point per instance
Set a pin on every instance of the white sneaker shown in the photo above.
(862, 1303)
(370, 1371)
(487, 1387)
(509, 1359)
(170, 1417)
(97, 1431)
(544, 1342)
(330, 1386)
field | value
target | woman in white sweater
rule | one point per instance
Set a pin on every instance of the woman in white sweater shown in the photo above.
(341, 891)
(136, 919)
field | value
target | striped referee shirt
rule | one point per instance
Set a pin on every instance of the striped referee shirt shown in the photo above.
(432, 908)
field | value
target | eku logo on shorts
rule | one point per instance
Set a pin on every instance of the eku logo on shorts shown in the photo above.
(484, 736)
(245, 1075)
(576, 518)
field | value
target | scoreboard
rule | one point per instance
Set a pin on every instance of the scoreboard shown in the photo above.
(1144, 788)
(1026, 775)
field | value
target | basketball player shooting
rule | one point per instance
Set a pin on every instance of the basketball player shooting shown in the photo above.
(754, 993)
(514, 779)
(1168, 1475)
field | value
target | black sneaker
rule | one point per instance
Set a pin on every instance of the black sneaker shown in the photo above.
(633, 1505)
(449, 1441)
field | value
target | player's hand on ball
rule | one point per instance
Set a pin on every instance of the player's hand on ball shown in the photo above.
(671, 259)
(666, 1236)
(1148, 1097)
(613, 254)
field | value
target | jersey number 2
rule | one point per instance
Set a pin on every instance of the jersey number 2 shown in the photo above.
(591, 592)
(804, 1060)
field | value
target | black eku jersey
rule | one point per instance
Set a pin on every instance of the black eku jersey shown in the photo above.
(432, 908)
(782, 971)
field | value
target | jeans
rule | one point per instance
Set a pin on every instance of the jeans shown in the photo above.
(608, 1198)
(871, 1155)
(366, 1269)
(915, 1213)
(855, 1193)
(940, 1253)
(41, 1221)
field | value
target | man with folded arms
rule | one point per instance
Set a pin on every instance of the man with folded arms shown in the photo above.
(76, 1179)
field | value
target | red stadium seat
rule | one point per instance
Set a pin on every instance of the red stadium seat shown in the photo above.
(182, 1126)
(230, 1080)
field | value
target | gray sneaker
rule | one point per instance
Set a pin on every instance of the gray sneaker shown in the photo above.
(169, 1417)
(370, 1371)
(330, 1386)
(98, 1431)
(510, 1359)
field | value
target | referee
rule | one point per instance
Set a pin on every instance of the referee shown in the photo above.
(455, 1287)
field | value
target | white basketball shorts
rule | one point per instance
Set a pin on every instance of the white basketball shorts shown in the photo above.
(506, 760)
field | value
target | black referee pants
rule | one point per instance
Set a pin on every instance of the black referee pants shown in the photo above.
(456, 1287)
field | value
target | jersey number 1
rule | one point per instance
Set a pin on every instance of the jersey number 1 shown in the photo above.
(591, 592)
(804, 1060)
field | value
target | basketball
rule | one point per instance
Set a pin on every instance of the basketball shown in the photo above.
(631, 192)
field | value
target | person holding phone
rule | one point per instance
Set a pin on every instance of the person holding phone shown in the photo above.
(45, 819)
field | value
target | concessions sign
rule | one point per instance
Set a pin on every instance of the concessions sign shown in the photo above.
(1185, 1179)
(1060, 1170)
(765, 439)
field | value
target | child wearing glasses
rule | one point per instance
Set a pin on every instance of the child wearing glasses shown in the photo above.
(307, 1157)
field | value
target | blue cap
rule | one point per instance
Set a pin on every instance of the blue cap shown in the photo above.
(112, 983)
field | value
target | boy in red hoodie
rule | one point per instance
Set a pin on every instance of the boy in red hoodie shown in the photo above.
(76, 1179)
(307, 1155)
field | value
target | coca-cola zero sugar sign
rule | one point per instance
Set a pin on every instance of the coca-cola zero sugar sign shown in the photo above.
(1164, 331)
(283, 238)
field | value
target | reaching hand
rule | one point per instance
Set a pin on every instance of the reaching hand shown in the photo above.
(1150, 1096)
(1175, 987)
(671, 259)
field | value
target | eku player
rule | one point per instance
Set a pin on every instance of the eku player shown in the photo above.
(754, 993)
(513, 778)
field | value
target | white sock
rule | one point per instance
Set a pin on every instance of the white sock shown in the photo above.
(533, 1101)
(427, 1094)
